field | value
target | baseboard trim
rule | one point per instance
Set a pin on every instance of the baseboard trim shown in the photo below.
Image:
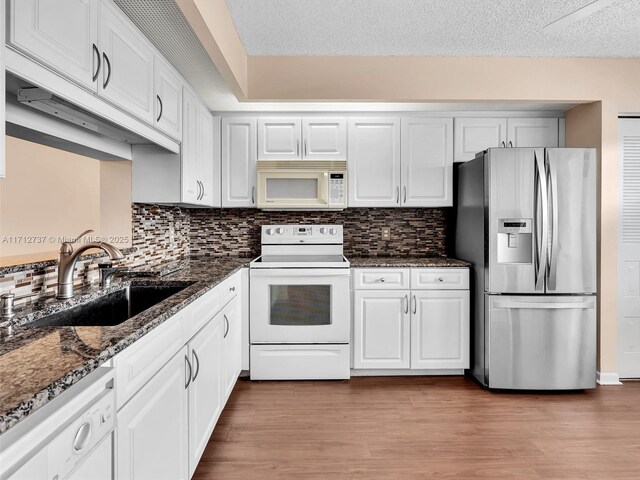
(607, 378)
(401, 372)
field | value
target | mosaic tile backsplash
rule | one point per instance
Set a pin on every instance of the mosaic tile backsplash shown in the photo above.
(162, 234)
(414, 231)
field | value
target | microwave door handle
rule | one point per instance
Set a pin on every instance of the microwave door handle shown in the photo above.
(325, 191)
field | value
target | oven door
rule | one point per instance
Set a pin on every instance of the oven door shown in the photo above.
(306, 305)
(293, 189)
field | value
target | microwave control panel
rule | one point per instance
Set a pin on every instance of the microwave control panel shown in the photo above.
(337, 189)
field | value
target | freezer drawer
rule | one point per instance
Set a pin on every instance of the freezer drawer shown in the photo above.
(540, 342)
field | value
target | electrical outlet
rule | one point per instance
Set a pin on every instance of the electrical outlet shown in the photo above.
(386, 233)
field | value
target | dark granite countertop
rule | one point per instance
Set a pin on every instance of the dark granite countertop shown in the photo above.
(39, 363)
(406, 262)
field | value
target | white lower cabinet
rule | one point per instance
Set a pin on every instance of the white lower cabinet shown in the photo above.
(424, 327)
(206, 361)
(164, 428)
(231, 346)
(381, 329)
(439, 329)
(151, 434)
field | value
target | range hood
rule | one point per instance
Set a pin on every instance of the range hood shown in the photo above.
(39, 115)
(40, 99)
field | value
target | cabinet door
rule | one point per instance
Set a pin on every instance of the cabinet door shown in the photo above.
(239, 156)
(427, 162)
(232, 348)
(205, 390)
(473, 135)
(127, 69)
(151, 437)
(279, 138)
(191, 189)
(168, 99)
(374, 162)
(60, 34)
(324, 138)
(532, 132)
(381, 329)
(440, 329)
(205, 158)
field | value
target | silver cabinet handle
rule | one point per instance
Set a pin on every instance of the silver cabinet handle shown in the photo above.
(253, 194)
(440, 279)
(415, 305)
(297, 148)
(405, 194)
(108, 65)
(161, 108)
(305, 148)
(232, 289)
(82, 436)
(226, 332)
(502, 144)
(188, 364)
(199, 189)
(381, 280)
(397, 194)
(406, 304)
(196, 361)
(203, 191)
(97, 72)
(510, 144)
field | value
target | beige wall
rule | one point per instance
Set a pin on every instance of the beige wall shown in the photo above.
(48, 194)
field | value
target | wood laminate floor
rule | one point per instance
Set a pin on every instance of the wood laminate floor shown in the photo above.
(422, 427)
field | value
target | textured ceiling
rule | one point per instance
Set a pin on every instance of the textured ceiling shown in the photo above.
(167, 28)
(434, 28)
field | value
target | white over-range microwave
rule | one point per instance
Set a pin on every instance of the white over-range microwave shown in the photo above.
(302, 185)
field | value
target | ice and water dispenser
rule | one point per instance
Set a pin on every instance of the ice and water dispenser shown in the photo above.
(515, 240)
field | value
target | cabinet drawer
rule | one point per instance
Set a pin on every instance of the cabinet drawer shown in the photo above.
(201, 311)
(439, 278)
(229, 288)
(137, 364)
(380, 278)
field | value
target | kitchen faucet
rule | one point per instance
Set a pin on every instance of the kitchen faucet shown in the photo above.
(68, 258)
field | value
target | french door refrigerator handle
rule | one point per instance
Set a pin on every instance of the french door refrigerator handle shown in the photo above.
(553, 247)
(540, 179)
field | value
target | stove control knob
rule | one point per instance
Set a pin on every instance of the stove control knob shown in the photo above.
(279, 230)
(323, 230)
(333, 231)
(269, 231)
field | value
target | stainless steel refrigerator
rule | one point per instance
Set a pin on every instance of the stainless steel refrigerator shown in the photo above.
(526, 220)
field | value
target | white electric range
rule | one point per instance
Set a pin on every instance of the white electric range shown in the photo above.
(300, 304)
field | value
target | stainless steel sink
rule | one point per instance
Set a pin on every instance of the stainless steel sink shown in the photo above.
(111, 309)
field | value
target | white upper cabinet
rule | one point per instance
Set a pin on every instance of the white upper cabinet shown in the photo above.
(374, 162)
(191, 188)
(63, 35)
(168, 98)
(239, 156)
(198, 153)
(473, 135)
(127, 63)
(279, 138)
(308, 138)
(532, 132)
(324, 138)
(427, 162)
